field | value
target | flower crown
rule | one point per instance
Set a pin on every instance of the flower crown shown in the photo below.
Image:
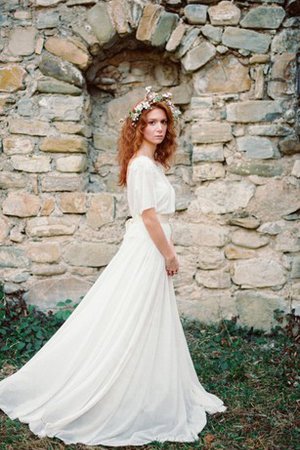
(151, 98)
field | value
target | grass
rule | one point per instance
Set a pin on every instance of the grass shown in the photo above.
(255, 373)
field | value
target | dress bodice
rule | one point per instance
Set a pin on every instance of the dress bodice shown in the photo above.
(149, 187)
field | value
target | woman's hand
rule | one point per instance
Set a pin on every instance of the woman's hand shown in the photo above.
(172, 265)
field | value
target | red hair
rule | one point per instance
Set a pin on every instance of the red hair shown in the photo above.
(131, 138)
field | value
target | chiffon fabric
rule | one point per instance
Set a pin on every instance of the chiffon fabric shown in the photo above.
(118, 372)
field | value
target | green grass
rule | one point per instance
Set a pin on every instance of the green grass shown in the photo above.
(255, 373)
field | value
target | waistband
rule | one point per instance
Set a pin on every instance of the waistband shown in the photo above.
(164, 218)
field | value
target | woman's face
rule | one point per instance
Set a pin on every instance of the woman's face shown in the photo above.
(156, 128)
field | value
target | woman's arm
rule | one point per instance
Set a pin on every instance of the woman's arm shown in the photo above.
(158, 236)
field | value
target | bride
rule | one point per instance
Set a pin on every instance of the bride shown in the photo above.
(118, 372)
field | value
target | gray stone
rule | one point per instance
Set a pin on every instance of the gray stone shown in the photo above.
(214, 279)
(279, 89)
(54, 67)
(295, 272)
(89, 254)
(234, 252)
(296, 169)
(4, 229)
(259, 77)
(211, 132)
(290, 145)
(284, 199)
(256, 168)
(57, 182)
(61, 107)
(27, 107)
(281, 68)
(189, 234)
(195, 14)
(13, 145)
(105, 141)
(222, 197)
(263, 17)
(222, 49)
(16, 234)
(244, 219)
(101, 210)
(43, 252)
(47, 19)
(249, 239)
(22, 41)
(254, 111)
(48, 270)
(47, 2)
(210, 258)
(291, 22)
(49, 226)
(65, 143)
(208, 171)
(34, 163)
(164, 27)
(210, 307)
(201, 109)
(148, 22)
(13, 257)
(10, 180)
(11, 78)
(224, 75)
(176, 37)
(288, 241)
(259, 59)
(256, 147)
(72, 163)
(46, 293)
(208, 153)
(187, 41)
(246, 39)
(21, 204)
(214, 34)
(286, 41)
(272, 228)
(198, 56)
(269, 130)
(99, 19)
(166, 74)
(182, 94)
(120, 12)
(50, 85)
(73, 202)
(296, 292)
(224, 13)
(258, 272)
(31, 127)
(256, 309)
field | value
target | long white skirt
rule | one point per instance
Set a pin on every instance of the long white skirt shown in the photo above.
(118, 371)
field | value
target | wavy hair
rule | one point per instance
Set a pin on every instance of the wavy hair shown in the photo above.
(131, 138)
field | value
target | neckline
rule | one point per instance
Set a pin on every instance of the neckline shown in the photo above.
(145, 156)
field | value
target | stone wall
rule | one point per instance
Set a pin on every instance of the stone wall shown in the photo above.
(70, 70)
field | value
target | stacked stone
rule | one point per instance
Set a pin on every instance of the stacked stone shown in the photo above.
(232, 71)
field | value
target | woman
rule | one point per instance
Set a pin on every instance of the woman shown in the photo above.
(118, 372)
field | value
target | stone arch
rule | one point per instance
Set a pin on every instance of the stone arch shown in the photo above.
(237, 144)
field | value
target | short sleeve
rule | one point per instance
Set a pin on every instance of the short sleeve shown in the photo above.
(143, 186)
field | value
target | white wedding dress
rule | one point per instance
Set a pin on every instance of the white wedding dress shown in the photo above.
(118, 372)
